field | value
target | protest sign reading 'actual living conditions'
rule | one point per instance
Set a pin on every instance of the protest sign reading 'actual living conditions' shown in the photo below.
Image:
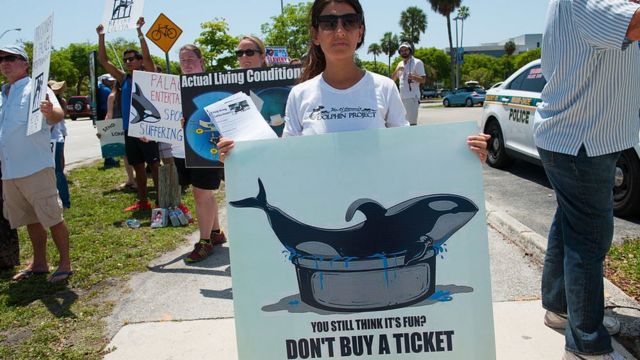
(156, 107)
(268, 88)
(120, 15)
(362, 245)
(40, 73)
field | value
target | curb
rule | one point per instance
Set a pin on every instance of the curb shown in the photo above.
(535, 246)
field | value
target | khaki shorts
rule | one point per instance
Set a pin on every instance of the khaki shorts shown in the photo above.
(32, 199)
(411, 106)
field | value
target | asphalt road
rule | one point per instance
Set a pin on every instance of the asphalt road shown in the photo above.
(523, 190)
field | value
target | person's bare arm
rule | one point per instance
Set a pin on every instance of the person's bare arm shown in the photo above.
(53, 114)
(104, 59)
(111, 101)
(633, 31)
(147, 61)
(417, 78)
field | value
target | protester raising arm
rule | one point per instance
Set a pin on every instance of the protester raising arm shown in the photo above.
(103, 59)
(147, 61)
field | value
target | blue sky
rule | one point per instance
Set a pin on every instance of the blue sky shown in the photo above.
(76, 20)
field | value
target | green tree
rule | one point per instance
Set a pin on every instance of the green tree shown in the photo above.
(413, 22)
(389, 44)
(492, 66)
(526, 57)
(437, 60)
(445, 8)
(376, 50)
(290, 29)
(509, 47)
(217, 45)
(373, 66)
(482, 75)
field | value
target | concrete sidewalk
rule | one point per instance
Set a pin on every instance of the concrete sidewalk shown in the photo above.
(180, 311)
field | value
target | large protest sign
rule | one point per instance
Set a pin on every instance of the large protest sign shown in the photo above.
(111, 137)
(40, 73)
(403, 275)
(268, 88)
(120, 15)
(156, 107)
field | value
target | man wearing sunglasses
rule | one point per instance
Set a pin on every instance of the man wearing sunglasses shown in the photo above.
(137, 151)
(28, 177)
(411, 73)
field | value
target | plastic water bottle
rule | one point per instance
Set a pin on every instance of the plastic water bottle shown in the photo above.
(133, 223)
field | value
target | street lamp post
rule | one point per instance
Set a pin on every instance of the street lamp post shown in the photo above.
(457, 63)
(281, 7)
(6, 31)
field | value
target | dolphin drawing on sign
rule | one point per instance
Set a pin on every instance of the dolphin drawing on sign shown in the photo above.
(409, 227)
(145, 111)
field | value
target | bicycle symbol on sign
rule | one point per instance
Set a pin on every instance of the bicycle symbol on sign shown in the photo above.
(163, 30)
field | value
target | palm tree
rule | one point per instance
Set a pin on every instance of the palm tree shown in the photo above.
(509, 47)
(376, 50)
(445, 8)
(389, 45)
(413, 22)
(463, 14)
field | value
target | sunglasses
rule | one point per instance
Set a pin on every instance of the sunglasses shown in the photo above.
(129, 59)
(330, 22)
(9, 58)
(250, 52)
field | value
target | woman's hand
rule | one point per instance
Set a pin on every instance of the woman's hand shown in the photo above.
(224, 147)
(478, 144)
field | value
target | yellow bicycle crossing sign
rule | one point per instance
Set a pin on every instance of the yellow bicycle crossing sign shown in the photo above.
(164, 33)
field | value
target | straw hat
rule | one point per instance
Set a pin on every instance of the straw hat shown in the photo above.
(57, 86)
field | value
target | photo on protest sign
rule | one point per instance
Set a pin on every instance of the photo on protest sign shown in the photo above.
(268, 88)
(364, 244)
(120, 15)
(277, 55)
(111, 137)
(156, 107)
(40, 73)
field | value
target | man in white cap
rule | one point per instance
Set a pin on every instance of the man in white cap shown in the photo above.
(28, 177)
(411, 73)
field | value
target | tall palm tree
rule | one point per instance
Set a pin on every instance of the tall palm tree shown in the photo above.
(445, 8)
(376, 50)
(463, 14)
(413, 22)
(389, 44)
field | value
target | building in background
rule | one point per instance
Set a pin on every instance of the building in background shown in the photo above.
(523, 43)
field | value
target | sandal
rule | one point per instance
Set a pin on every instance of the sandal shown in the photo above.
(60, 276)
(27, 273)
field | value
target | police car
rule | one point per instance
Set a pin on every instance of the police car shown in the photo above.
(508, 117)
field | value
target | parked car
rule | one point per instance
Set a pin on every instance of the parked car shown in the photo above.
(468, 96)
(443, 92)
(508, 117)
(78, 106)
(429, 93)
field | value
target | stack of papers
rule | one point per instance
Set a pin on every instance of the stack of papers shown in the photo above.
(237, 118)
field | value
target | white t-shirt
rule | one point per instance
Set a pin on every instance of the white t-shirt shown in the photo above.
(413, 66)
(314, 107)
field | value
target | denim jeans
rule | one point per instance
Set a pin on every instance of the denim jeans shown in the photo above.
(61, 178)
(579, 238)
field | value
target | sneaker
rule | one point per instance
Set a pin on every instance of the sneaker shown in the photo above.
(139, 205)
(186, 212)
(559, 322)
(201, 251)
(218, 238)
(568, 355)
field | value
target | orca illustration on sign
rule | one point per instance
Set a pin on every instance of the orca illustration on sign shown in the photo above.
(145, 111)
(403, 239)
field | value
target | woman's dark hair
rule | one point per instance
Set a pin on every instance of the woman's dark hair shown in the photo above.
(194, 49)
(315, 61)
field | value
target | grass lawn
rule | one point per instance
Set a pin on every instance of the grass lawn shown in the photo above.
(43, 321)
(622, 267)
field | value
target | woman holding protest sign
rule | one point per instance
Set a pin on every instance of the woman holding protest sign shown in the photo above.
(203, 180)
(332, 82)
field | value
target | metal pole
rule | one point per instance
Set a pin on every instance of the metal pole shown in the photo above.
(167, 58)
(459, 55)
(457, 50)
(281, 7)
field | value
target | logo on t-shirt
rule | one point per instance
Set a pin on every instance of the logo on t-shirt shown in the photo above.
(322, 113)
